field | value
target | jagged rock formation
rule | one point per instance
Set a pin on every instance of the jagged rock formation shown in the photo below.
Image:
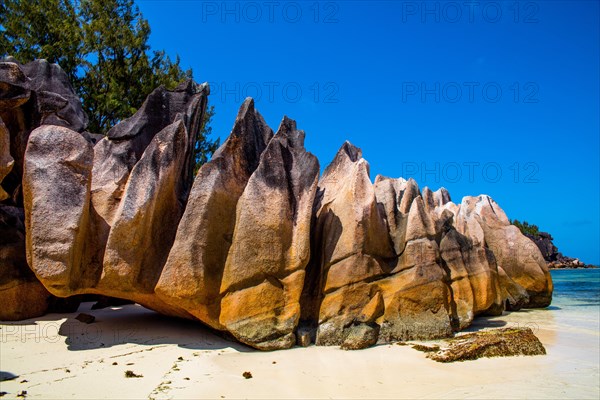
(31, 95)
(257, 245)
(56, 187)
(553, 257)
(128, 193)
(265, 268)
(194, 269)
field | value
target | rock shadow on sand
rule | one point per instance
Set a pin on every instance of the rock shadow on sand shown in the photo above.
(134, 324)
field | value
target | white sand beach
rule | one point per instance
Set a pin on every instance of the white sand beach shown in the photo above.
(57, 356)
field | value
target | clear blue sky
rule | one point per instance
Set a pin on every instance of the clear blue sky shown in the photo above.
(489, 97)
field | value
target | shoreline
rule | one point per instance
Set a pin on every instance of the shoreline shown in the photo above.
(60, 357)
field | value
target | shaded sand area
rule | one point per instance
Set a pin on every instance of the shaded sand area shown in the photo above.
(57, 356)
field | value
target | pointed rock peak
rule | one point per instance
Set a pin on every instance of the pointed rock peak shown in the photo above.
(420, 224)
(250, 122)
(203, 87)
(287, 125)
(250, 132)
(410, 186)
(441, 196)
(247, 108)
(396, 182)
(353, 152)
(428, 199)
(346, 156)
(362, 163)
(380, 178)
(191, 87)
(407, 191)
(160, 109)
(412, 182)
(288, 133)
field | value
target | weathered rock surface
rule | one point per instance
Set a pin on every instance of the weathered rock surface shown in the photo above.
(22, 296)
(194, 269)
(126, 226)
(265, 268)
(31, 95)
(56, 191)
(516, 254)
(116, 156)
(257, 245)
(146, 220)
(417, 295)
(351, 247)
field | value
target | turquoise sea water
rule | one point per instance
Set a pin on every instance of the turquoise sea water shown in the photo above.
(576, 287)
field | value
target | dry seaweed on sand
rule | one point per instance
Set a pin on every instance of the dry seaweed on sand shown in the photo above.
(425, 349)
(491, 343)
(131, 374)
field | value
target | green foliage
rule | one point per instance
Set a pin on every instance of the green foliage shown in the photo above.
(525, 228)
(102, 45)
(48, 29)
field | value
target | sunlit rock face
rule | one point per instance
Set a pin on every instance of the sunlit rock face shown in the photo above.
(33, 95)
(258, 244)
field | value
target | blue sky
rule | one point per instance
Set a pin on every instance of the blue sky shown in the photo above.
(487, 97)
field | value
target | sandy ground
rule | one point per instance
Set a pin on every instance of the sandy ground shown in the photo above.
(59, 357)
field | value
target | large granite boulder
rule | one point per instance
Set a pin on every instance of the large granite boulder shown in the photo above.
(351, 249)
(142, 175)
(31, 95)
(416, 294)
(125, 226)
(56, 189)
(192, 275)
(116, 156)
(516, 255)
(146, 220)
(265, 268)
